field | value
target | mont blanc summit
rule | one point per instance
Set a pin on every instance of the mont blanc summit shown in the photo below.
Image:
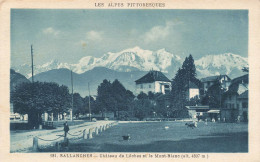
(138, 59)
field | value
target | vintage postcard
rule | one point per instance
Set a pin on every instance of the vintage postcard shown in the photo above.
(128, 80)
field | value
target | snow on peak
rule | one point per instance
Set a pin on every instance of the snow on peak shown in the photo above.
(220, 64)
(137, 58)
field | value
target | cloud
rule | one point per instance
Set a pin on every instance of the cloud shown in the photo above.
(51, 31)
(159, 32)
(94, 35)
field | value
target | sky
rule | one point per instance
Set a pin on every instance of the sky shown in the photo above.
(68, 35)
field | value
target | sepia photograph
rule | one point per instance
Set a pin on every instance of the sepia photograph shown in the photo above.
(129, 80)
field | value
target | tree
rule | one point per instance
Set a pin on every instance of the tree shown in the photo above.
(180, 84)
(119, 97)
(130, 101)
(92, 105)
(113, 97)
(39, 97)
(213, 96)
(104, 97)
(78, 105)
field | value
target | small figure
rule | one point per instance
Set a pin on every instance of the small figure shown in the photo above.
(166, 127)
(66, 129)
(238, 119)
(195, 124)
(126, 137)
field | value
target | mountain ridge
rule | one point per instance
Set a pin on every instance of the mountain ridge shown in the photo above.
(137, 59)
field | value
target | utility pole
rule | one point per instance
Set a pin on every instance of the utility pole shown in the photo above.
(71, 111)
(34, 122)
(32, 62)
(89, 103)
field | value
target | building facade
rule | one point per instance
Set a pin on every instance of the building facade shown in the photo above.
(192, 90)
(224, 80)
(153, 81)
(235, 101)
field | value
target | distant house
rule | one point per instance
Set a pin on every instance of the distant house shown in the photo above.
(192, 90)
(235, 100)
(154, 81)
(224, 80)
(203, 112)
(197, 112)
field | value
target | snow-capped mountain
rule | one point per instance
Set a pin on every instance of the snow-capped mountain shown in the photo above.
(228, 63)
(137, 59)
(134, 59)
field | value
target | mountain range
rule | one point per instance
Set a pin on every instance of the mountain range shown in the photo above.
(129, 65)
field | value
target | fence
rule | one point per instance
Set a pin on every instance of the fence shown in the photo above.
(87, 133)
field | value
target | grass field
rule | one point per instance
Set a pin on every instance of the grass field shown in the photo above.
(153, 137)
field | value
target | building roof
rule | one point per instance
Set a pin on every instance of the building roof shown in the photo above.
(241, 79)
(238, 85)
(152, 76)
(243, 95)
(197, 107)
(213, 111)
(213, 78)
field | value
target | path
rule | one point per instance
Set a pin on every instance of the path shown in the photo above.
(23, 141)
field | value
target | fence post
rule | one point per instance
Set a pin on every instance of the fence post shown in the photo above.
(96, 130)
(58, 146)
(66, 141)
(35, 144)
(90, 133)
(85, 134)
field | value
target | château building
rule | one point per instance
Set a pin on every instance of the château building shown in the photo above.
(154, 81)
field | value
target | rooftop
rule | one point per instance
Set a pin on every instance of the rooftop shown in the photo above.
(152, 76)
(213, 78)
(197, 107)
(243, 95)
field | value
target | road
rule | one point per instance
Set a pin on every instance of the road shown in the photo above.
(22, 141)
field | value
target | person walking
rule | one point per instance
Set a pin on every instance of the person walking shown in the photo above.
(66, 129)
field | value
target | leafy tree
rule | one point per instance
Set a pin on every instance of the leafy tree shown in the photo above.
(78, 105)
(142, 96)
(39, 97)
(151, 95)
(213, 96)
(62, 100)
(104, 97)
(142, 108)
(92, 105)
(130, 101)
(119, 97)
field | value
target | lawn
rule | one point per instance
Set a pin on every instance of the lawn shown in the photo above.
(153, 137)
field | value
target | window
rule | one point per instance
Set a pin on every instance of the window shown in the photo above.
(166, 86)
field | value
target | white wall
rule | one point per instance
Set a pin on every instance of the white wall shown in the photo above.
(145, 87)
(154, 87)
(193, 92)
